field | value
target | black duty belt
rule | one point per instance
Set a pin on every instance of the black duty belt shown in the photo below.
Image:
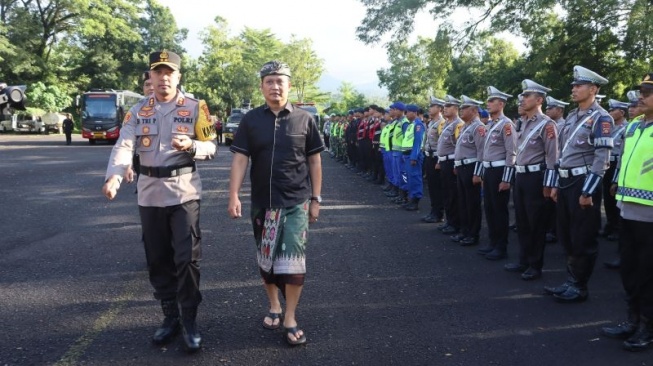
(167, 171)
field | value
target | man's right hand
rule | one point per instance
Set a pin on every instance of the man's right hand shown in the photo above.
(234, 208)
(110, 188)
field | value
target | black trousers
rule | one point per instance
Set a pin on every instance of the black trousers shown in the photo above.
(172, 241)
(69, 137)
(450, 193)
(636, 251)
(551, 217)
(496, 208)
(612, 214)
(377, 162)
(469, 202)
(578, 228)
(530, 216)
(326, 141)
(434, 183)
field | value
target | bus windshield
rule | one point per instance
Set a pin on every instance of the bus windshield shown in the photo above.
(99, 106)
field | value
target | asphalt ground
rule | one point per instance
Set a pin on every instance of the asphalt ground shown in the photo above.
(382, 287)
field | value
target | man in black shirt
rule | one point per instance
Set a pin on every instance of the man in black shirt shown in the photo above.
(283, 143)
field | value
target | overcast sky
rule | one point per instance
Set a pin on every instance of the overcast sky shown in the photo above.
(331, 24)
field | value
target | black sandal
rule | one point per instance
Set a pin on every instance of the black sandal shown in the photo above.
(298, 340)
(273, 316)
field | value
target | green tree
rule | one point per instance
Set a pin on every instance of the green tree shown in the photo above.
(304, 64)
(48, 97)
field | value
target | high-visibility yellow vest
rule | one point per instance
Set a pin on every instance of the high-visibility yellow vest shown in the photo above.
(409, 138)
(635, 183)
(384, 141)
(398, 135)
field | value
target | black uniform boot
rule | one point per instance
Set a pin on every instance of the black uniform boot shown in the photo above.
(413, 205)
(170, 327)
(192, 337)
(642, 338)
(623, 330)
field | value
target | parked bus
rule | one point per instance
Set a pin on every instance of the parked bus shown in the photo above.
(102, 113)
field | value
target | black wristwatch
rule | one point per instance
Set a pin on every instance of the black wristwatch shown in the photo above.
(585, 194)
(317, 198)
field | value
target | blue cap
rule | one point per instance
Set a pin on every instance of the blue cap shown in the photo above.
(398, 105)
(350, 112)
(483, 113)
(412, 108)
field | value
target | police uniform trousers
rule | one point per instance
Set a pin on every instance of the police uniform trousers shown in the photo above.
(496, 208)
(612, 213)
(351, 152)
(636, 252)
(172, 241)
(450, 193)
(414, 174)
(326, 142)
(578, 228)
(362, 160)
(434, 183)
(396, 169)
(530, 216)
(387, 165)
(403, 163)
(469, 201)
(377, 162)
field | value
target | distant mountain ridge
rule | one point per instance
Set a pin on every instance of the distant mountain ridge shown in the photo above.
(329, 83)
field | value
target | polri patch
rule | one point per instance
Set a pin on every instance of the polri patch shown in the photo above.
(507, 129)
(128, 116)
(550, 131)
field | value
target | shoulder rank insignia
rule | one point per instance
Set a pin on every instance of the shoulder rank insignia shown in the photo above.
(151, 102)
(181, 101)
(183, 113)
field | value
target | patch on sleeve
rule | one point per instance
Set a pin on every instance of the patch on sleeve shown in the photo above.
(418, 128)
(550, 131)
(204, 128)
(507, 129)
(128, 116)
(481, 131)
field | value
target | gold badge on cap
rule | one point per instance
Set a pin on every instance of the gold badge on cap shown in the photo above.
(163, 56)
(146, 141)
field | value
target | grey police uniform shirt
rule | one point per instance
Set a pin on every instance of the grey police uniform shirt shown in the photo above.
(471, 141)
(537, 143)
(500, 141)
(560, 123)
(589, 144)
(447, 140)
(500, 144)
(148, 129)
(432, 135)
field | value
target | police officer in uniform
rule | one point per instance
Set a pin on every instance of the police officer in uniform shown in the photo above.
(398, 171)
(468, 162)
(170, 132)
(498, 171)
(635, 199)
(555, 109)
(535, 175)
(433, 177)
(585, 144)
(446, 153)
(414, 159)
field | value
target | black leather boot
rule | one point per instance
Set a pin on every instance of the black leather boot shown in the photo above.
(413, 205)
(642, 338)
(573, 294)
(192, 337)
(170, 327)
(623, 330)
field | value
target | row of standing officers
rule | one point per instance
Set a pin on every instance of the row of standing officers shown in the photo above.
(555, 167)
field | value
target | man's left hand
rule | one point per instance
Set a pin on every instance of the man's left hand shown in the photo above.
(181, 142)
